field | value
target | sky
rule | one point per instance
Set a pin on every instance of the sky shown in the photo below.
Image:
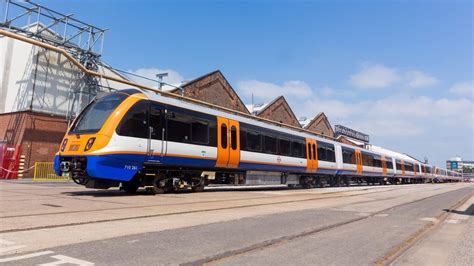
(400, 71)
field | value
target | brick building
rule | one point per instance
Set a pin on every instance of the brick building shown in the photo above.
(213, 88)
(280, 111)
(320, 125)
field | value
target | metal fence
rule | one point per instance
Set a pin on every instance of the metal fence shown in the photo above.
(44, 171)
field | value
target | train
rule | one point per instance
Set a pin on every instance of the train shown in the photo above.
(135, 138)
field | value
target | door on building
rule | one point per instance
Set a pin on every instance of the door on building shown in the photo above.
(228, 143)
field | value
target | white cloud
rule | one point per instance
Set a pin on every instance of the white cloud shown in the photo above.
(418, 79)
(173, 78)
(268, 91)
(374, 76)
(463, 89)
(377, 76)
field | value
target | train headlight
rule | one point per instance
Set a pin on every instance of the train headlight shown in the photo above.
(63, 145)
(89, 144)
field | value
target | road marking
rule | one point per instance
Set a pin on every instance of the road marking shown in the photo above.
(27, 256)
(6, 246)
(61, 259)
(452, 221)
(382, 215)
(429, 219)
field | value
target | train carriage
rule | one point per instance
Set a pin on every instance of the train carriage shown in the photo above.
(142, 139)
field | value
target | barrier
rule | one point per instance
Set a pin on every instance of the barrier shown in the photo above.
(44, 171)
(9, 160)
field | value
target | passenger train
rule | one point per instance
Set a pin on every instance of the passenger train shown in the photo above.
(133, 138)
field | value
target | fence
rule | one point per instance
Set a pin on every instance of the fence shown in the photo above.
(44, 171)
(9, 160)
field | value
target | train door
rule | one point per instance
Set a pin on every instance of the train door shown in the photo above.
(228, 143)
(156, 146)
(311, 155)
(358, 161)
(403, 167)
(384, 166)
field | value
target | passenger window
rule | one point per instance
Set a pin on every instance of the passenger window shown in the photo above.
(134, 123)
(254, 141)
(298, 150)
(314, 152)
(200, 132)
(233, 138)
(224, 136)
(270, 145)
(179, 127)
(285, 147)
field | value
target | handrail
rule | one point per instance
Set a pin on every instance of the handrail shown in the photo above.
(144, 87)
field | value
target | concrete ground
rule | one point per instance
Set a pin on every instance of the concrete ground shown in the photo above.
(54, 223)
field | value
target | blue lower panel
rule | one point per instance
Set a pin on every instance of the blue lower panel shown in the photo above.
(186, 162)
(121, 167)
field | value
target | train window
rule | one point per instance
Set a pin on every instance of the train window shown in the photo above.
(389, 163)
(326, 152)
(95, 114)
(179, 126)
(399, 165)
(243, 140)
(367, 159)
(155, 121)
(254, 141)
(298, 149)
(284, 146)
(310, 154)
(200, 132)
(409, 167)
(377, 162)
(233, 138)
(270, 144)
(134, 123)
(348, 156)
(314, 152)
(224, 136)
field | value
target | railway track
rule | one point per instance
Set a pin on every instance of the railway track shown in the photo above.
(329, 195)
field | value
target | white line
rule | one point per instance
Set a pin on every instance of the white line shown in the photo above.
(6, 249)
(27, 256)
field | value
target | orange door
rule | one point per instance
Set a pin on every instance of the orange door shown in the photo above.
(311, 155)
(384, 166)
(358, 162)
(228, 143)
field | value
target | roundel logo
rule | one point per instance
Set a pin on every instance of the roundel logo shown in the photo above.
(279, 159)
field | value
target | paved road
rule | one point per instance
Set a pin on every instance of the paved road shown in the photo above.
(342, 226)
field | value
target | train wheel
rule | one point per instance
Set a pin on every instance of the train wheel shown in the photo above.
(158, 187)
(306, 182)
(198, 183)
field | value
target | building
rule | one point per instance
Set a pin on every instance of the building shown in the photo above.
(40, 91)
(461, 166)
(319, 124)
(279, 111)
(213, 88)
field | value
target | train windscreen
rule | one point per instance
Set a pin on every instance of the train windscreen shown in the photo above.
(94, 115)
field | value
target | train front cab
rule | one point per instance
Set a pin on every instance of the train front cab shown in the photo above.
(85, 154)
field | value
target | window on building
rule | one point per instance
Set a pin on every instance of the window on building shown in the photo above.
(270, 144)
(135, 123)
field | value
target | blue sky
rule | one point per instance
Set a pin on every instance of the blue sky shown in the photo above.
(401, 71)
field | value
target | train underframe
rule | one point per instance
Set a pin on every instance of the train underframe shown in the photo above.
(156, 179)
